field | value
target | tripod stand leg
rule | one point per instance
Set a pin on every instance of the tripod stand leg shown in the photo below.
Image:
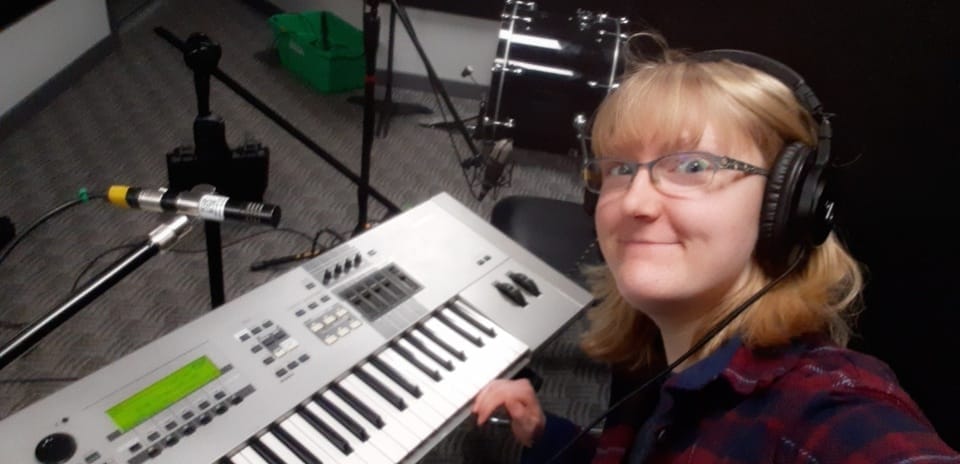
(387, 108)
(432, 75)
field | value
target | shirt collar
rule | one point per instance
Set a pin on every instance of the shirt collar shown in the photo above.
(704, 371)
(744, 369)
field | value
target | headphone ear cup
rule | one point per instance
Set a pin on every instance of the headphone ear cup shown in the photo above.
(777, 240)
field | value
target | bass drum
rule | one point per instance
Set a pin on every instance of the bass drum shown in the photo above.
(550, 67)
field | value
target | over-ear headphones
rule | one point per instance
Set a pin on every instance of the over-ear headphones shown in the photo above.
(797, 211)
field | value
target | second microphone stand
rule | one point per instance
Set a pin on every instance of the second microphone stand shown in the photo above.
(371, 33)
(159, 239)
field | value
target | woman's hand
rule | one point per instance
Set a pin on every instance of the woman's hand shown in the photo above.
(519, 399)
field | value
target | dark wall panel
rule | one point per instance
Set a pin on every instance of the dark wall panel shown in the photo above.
(12, 10)
(891, 73)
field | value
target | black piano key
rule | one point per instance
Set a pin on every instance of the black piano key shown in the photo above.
(459, 330)
(331, 435)
(381, 389)
(392, 374)
(266, 453)
(356, 429)
(445, 363)
(432, 373)
(442, 344)
(488, 331)
(358, 406)
(224, 460)
(293, 445)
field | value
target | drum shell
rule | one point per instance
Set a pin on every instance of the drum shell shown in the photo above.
(545, 82)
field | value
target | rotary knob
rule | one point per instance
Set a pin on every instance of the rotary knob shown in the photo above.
(55, 448)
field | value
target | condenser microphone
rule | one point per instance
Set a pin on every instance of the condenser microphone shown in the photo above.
(205, 205)
(494, 165)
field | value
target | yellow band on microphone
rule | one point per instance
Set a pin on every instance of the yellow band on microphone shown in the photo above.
(117, 194)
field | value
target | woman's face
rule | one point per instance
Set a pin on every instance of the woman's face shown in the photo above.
(672, 254)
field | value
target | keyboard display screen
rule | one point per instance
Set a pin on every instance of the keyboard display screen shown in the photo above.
(163, 393)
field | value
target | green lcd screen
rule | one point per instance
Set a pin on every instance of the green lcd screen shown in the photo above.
(163, 393)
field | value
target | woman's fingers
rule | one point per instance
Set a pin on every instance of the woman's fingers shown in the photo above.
(519, 400)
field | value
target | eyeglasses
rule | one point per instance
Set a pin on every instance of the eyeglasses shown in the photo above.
(676, 173)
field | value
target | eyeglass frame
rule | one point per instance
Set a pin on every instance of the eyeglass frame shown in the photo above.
(719, 162)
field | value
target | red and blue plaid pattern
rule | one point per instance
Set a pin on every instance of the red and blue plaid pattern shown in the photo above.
(809, 402)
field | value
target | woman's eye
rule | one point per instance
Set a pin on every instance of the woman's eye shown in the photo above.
(692, 165)
(620, 169)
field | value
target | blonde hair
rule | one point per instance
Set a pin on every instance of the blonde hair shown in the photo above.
(669, 102)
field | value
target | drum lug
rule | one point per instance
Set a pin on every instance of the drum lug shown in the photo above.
(603, 34)
(532, 6)
(498, 67)
(597, 85)
(489, 122)
(526, 19)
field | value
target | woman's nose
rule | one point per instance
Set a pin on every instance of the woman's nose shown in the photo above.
(641, 198)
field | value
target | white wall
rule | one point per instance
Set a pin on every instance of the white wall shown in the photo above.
(37, 47)
(450, 41)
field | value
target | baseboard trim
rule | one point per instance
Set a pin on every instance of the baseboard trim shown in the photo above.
(422, 83)
(42, 96)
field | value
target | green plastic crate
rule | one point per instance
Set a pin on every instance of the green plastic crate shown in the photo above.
(321, 49)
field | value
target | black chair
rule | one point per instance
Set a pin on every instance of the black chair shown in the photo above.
(557, 231)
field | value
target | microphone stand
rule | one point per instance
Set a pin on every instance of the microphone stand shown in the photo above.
(160, 238)
(209, 133)
(371, 34)
(434, 79)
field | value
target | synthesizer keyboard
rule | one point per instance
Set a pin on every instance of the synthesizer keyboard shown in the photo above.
(369, 353)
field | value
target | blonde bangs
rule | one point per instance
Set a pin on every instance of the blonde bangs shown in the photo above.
(667, 108)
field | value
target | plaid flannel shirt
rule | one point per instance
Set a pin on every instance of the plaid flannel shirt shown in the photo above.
(809, 402)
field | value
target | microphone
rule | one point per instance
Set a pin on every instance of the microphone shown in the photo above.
(494, 165)
(209, 206)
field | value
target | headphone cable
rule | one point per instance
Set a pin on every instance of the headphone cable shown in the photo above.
(719, 326)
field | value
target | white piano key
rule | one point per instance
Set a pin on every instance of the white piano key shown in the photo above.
(315, 438)
(489, 329)
(459, 323)
(291, 427)
(460, 369)
(501, 345)
(391, 448)
(436, 400)
(368, 453)
(407, 434)
(485, 365)
(251, 456)
(515, 344)
(422, 409)
(430, 350)
(445, 400)
(330, 444)
(407, 420)
(279, 449)
(239, 458)
(448, 379)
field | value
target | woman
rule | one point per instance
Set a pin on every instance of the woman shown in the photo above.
(689, 181)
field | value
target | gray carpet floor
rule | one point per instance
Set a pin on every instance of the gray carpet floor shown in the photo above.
(114, 126)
